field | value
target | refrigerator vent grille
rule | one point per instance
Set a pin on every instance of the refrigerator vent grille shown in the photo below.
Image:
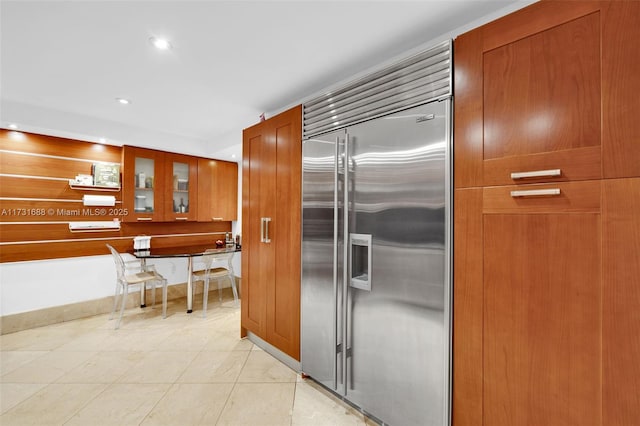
(419, 79)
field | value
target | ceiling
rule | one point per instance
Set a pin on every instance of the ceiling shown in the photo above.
(64, 63)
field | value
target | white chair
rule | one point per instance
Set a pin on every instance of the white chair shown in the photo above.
(210, 257)
(125, 278)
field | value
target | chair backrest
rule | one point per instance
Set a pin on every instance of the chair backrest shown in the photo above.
(118, 261)
(213, 255)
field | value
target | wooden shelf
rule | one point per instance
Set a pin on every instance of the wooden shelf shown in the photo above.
(93, 187)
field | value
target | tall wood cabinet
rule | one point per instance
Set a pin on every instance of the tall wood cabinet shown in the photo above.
(547, 200)
(271, 212)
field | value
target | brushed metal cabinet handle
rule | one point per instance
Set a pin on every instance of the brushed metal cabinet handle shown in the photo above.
(262, 229)
(144, 218)
(217, 219)
(536, 192)
(182, 218)
(267, 220)
(536, 174)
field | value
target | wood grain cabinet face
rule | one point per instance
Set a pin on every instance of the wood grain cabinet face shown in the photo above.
(271, 200)
(217, 190)
(541, 95)
(542, 319)
(546, 287)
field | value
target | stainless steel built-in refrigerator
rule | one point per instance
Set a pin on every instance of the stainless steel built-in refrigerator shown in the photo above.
(376, 264)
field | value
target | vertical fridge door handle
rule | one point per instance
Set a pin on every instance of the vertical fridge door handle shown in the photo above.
(345, 269)
(335, 261)
(267, 220)
(262, 229)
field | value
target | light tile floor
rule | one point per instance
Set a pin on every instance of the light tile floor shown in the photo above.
(183, 370)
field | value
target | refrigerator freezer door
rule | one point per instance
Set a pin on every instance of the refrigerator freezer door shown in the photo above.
(397, 333)
(321, 294)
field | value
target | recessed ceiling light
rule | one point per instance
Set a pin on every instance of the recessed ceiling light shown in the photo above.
(13, 126)
(233, 156)
(102, 140)
(160, 43)
(123, 101)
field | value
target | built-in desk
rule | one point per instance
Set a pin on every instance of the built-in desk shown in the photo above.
(184, 251)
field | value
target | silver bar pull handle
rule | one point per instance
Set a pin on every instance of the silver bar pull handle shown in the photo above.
(144, 218)
(336, 182)
(536, 192)
(262, 229)
(267, 220)
(536, 174)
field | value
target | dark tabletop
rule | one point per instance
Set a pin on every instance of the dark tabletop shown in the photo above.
(181, 251)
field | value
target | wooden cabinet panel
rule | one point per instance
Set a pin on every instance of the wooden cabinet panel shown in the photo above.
(621, 89)
(467, 307)
(621, 301)
(57, 147)
(542, 319)
(225, 191)
(467, 149)
(283, 299)
(257, 260)
(552, 86)
(542, 93)
(532, 20)
(271, 250)
(574, 164)
(576, 197)
(217, 190)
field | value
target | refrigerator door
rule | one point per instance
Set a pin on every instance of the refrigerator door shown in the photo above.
(397, 326)
(321, 294)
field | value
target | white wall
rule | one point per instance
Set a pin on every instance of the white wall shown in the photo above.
(40, 284)
(33, 285)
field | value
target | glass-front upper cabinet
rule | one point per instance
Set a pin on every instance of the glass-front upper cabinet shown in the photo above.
(142, 186)
(180, 187)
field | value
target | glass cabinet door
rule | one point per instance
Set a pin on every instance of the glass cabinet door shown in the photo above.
(142, 184)
(181, 187)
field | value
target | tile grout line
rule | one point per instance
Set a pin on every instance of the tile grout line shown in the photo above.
(233, 387)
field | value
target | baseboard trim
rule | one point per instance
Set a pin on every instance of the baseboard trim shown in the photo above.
(275, 352)
(58, 314)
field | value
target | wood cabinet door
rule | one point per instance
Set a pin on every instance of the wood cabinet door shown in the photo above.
(217, 190)
(528, 91)
(621, 301)
(225, 191)
(259, 187)
(143, 184)
(541, 98)
(283, 293)
(542, 319)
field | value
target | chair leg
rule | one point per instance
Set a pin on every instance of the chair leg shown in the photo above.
(124, 302)
(153, 297)
(219, 290)
(205, 297)
(164, 298)
(235, 291)
(115, 300)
